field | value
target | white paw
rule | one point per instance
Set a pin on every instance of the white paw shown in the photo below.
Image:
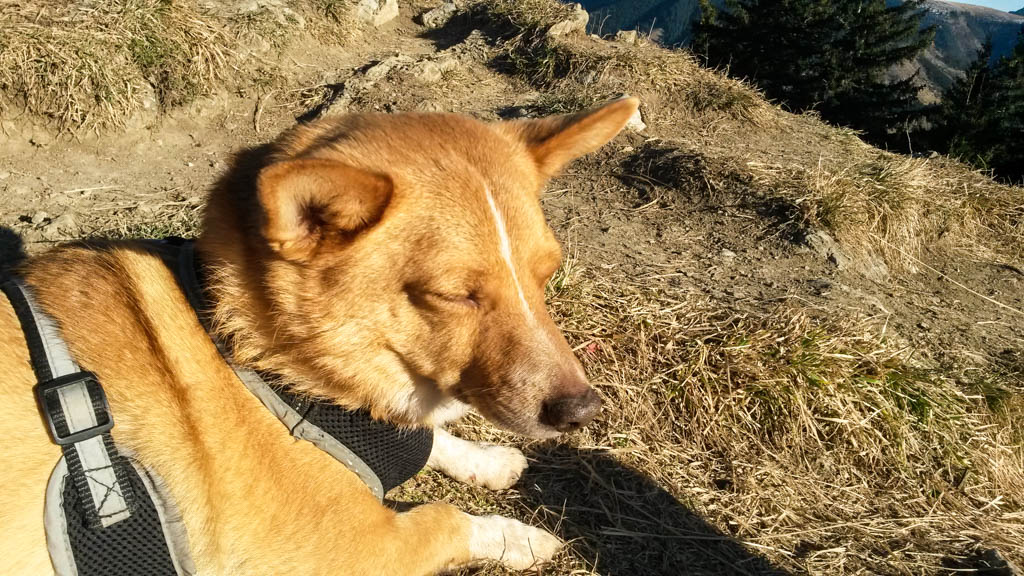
(487, 465)
(496, 467)
(511, 542)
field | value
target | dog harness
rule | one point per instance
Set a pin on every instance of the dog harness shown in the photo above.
(105, 514)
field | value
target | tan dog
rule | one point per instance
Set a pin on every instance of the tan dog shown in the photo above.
(395, 263)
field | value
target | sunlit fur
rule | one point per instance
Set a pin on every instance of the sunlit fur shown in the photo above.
(394, 298)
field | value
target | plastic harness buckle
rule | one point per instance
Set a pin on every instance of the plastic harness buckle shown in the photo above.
(47, 395)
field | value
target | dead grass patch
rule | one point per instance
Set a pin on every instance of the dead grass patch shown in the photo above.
(896, 206)
(86, 65)
(808, 444)
(875, 203)
(90, 65)
(574, 67)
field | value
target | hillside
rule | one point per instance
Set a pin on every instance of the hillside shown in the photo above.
(811, 351)
(960, 31)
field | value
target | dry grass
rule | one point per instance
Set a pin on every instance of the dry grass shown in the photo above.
(671, 83)
(873, 202)
(756, 444)
(876, 204)
(90, 65)
(87, 64)
(896, 206)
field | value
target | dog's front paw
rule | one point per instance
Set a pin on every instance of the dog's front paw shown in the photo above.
(487, 465)
(496, 467)
(514, 544)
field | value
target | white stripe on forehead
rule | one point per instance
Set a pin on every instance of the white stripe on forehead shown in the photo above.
(506, 252)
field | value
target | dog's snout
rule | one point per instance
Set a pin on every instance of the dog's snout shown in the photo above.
(568, 413)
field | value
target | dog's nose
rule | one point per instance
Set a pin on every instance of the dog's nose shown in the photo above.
(568, 413)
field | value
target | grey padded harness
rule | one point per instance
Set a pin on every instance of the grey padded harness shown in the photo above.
(381, 454)
(105, 515)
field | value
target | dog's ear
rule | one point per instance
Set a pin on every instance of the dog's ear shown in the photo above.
(311, 201)
(557, 140)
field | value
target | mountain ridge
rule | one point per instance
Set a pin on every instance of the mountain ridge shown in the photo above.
(961, 30)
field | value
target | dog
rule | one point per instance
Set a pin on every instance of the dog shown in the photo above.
(393, 263)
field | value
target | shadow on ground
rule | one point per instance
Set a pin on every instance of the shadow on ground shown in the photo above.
(12, 250)
(625, 524)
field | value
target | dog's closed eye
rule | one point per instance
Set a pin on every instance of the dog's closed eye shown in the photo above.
(434, 298)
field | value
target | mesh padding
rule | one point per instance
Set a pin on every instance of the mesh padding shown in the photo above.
(132, 547)
(394, 454)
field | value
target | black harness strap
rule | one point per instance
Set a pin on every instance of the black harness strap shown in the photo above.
(76, 411)
(108, 522)
(382, 454)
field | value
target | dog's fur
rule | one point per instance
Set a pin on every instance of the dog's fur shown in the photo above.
(395, 263)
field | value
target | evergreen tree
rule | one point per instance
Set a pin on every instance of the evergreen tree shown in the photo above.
(982, 120)
(962, 125)
(825, 55)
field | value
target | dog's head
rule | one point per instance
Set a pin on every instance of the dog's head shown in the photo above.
(404, 259)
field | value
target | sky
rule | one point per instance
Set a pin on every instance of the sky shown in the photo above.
(1006, 5)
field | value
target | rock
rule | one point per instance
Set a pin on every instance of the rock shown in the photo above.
(66, 224)
(382, 68)
(626, 36)
(51, 232)
(276, 9)
(439, 16)
(377, 12)
(428, 72)
(4, 175)
(636, 122)
(41, 139)
(825, 246)
(40, 217)
(727, 255)
(574, 24)
(431, 71)
(875, 269)
(31, 236)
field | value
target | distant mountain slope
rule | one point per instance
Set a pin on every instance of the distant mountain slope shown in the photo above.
(1019, 12)
(961, 30)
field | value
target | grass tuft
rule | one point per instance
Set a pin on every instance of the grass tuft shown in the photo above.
(90, 65)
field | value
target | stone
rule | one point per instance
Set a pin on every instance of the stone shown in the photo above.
(51, 232)
(66, 224)
(626, 36)
(576, 23)
(822, 244)
(636, 122)
(377, 12)
(385, 66)
(438, 17)
(430, 71)
(40, 217)
(4, 175)
(727, 255)
(41, 139)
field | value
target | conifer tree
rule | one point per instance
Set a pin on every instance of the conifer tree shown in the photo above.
(825, 55)
(982, 120)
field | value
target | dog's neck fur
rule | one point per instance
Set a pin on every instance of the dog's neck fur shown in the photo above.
(244, 316)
